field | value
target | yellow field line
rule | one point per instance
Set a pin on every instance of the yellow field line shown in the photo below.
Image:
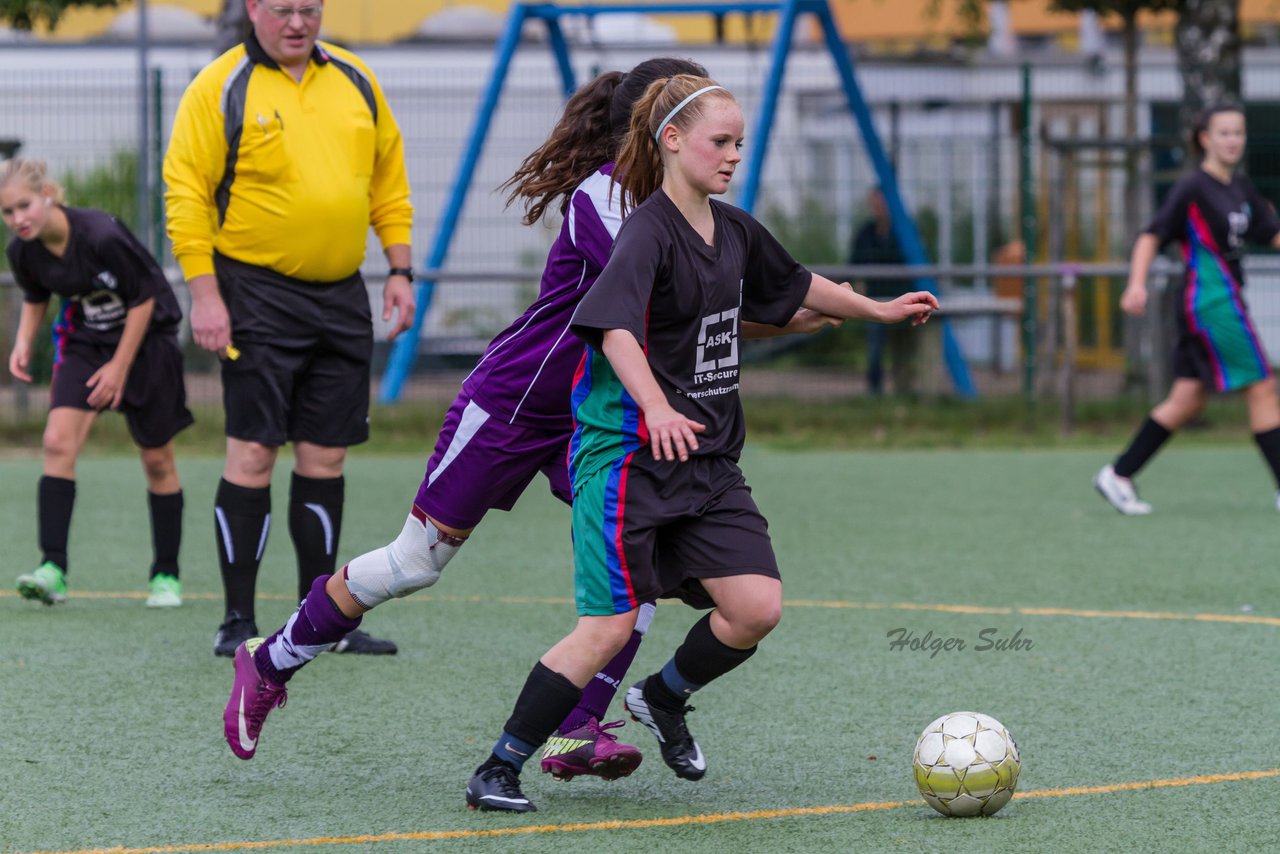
(1088, 613)
(675, 821)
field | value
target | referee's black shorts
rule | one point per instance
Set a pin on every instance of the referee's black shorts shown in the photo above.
(154, 403)
(305, 351)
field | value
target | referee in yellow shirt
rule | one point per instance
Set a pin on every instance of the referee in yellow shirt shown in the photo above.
(283, 153)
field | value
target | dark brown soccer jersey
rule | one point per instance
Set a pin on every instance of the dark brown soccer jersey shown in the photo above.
(104, 272)
(684, 301)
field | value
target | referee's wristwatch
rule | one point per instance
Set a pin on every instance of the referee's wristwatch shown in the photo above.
(407, 272)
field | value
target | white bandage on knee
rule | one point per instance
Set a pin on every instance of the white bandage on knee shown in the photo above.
(645, 617)
(412, 561)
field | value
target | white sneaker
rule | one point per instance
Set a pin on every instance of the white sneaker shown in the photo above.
(1120, 493)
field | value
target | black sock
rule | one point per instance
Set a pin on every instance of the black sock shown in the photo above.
(1269, 443)
(166, 531)
(543, 703)
(315, 522)
(1142, 448)
(700, 659)
(56, 498)
(242, 518)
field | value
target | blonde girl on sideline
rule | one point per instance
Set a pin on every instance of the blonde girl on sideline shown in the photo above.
(115, 347)
(660, 506)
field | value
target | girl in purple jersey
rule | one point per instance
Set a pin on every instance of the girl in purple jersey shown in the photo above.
(510, 421)
(660, 506)
(116, 347)
(1213, 212)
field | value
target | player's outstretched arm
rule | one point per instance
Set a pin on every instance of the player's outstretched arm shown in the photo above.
(827, 297)
(1134, 299)
(806, 321)
(671, 435)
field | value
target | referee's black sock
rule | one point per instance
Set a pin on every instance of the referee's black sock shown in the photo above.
(700, 659)
(1142, 448)
(242, 518)
(315, 522)
(56, 496)
(1269, 443)
(166, 531)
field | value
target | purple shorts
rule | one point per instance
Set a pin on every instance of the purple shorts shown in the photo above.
(482, 463)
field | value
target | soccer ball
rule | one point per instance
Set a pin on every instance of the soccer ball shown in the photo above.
(966, 764)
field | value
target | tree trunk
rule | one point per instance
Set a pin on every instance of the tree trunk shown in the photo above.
(233, 26)
(1207, 39)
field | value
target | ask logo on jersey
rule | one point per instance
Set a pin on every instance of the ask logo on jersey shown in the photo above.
(717, 348)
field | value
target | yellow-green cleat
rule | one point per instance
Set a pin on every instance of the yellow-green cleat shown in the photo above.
(48, 583)
(166, 592)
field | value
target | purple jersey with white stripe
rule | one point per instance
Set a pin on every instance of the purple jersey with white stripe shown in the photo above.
(526, 374)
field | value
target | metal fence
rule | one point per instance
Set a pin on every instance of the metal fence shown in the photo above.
(952, 130)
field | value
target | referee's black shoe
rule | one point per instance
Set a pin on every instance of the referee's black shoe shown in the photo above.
(362, 643)
(234, 631)
(681, 753)
(496, 786)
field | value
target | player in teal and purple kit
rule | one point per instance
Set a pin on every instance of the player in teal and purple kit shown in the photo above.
(510, 422)
(660, 506)
(1213, 212)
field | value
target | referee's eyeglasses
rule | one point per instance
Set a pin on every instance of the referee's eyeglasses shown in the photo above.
(309, 14)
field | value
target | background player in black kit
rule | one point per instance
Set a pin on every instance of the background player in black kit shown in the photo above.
(116, 346)
(660, 506)
(1213, 211)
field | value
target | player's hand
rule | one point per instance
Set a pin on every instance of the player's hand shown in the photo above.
(19, 360)
(916, 307)
(108, 385)
(671, 435)
(397, 298)
(210, 322)
(1133, 301)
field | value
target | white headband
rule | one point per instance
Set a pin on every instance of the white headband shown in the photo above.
(657, 136)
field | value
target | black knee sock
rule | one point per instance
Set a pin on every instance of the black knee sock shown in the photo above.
(543, 703)
(700, 659)
(242, 518)
(166, 531)
(315, 521)
(1269, 443)
(56, 496)
(1142, 448)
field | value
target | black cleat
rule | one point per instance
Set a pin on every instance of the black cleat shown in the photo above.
(234, 631)
(496, 786)
(681, 753)
(362, 643)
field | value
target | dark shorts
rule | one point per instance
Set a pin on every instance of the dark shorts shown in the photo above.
(155, 396)
(482, 463)
(644, 530)
(1217, 342)
(305, 353)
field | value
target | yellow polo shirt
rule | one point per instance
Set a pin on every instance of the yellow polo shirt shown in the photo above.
(284, 174)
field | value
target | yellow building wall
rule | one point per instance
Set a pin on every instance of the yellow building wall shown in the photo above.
(885, 21)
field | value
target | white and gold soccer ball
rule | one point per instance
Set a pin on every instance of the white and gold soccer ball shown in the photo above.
(966, 764)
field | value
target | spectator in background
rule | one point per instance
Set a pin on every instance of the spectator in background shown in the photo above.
(874, 243)
(283, 153)
(116, 347)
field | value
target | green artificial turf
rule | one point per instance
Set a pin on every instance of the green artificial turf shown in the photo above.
(112, 713)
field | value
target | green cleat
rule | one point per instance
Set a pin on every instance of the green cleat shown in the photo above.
(48, 583)
(166, 592)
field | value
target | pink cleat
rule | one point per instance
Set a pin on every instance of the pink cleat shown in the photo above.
(589, 750)
(252, 698)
